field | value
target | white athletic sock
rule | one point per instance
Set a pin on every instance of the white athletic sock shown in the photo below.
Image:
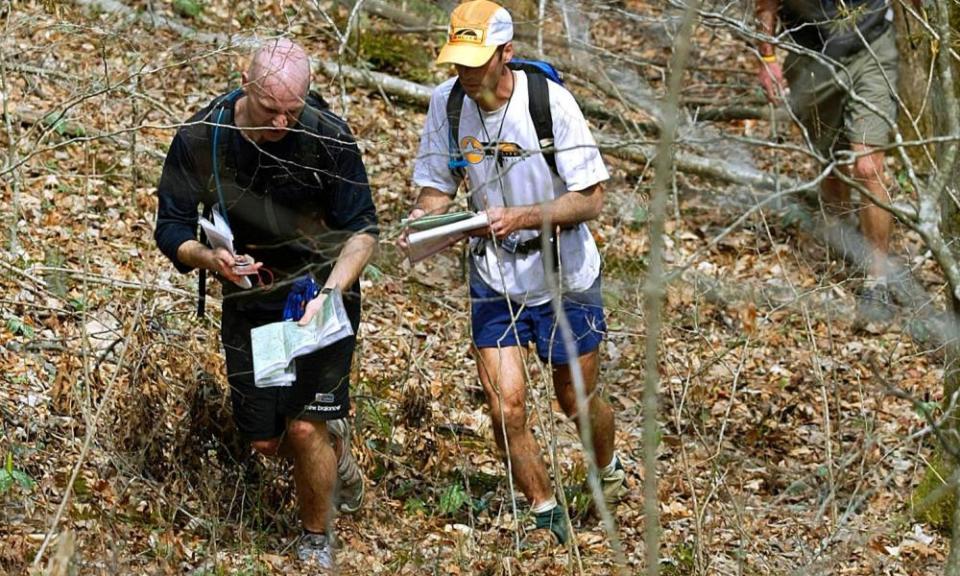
(545, 506)
(609, 469)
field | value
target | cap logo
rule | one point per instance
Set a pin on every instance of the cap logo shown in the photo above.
(467, 35)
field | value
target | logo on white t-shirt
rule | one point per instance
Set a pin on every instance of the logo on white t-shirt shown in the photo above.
(474, 151)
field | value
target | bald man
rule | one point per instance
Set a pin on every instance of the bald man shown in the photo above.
(288, 177)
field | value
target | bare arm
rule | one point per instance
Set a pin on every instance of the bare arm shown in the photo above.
(769, 74)
(354, 255)
(767, 23)
(430, 201)
(196, 255)
(570, 209)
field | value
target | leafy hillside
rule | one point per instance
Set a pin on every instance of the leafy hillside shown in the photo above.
(788, 439)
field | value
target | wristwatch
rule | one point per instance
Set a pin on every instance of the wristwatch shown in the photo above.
(326, 290)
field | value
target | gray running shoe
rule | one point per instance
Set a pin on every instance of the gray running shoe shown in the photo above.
(614, 485)
(874, 304)
(350, 483)
(315, 549)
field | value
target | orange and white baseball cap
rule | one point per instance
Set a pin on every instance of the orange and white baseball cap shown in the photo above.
(477, 27)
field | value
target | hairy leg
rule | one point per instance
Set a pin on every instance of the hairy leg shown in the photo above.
(875, 222)
(836, 196)
(314, 471)
(600, 414)
(501, 373)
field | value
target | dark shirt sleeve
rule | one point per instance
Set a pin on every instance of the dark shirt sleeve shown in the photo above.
(351, 207)
(178, 195)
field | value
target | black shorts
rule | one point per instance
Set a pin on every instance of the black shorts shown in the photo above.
(321, 391)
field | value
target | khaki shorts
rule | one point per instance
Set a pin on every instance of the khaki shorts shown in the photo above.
(832, 117)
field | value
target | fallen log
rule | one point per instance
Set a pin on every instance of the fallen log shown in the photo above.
(633, 152)
(728, 113)
(404, 89)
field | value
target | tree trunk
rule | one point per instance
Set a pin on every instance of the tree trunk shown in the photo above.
(935, 502)
(914, 86)
(949, 223)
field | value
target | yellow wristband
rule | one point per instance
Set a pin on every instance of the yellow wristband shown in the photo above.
(768, 57)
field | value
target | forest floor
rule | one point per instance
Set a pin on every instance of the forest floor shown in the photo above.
(790, 437)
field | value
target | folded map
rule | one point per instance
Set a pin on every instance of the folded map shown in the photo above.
(425, 243)
(277, 344)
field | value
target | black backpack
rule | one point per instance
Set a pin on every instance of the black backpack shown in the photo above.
(829, 34)
(313, 155)
(538, 73)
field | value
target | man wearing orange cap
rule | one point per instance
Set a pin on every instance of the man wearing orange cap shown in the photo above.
(537, 203)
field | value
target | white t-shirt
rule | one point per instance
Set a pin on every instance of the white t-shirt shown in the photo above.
(520, 177)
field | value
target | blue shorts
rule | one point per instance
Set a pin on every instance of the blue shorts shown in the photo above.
(493, 328)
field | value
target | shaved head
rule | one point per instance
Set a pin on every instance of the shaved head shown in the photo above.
(275, 90)
(280, 68)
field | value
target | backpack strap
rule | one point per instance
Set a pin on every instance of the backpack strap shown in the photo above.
(218, 141)
(202, 276)
(456, 163)
(326, 129)
(539, 94)
(538, 73)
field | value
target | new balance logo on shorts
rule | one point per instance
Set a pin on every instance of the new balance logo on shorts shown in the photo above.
(323, 402)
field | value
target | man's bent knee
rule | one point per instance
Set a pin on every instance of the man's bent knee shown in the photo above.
(300, 432)
(268, 447)
(869, 167)
(509, 416)
(570, 405)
